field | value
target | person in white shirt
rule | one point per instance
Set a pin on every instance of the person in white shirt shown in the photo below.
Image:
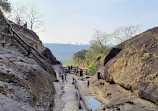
(60, 72)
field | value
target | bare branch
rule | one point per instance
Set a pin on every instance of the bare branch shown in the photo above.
(123, 33)
(29, 13)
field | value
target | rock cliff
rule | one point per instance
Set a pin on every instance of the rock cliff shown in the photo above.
(32, 39)
(26, 83)
(47, 53)
(129, 74)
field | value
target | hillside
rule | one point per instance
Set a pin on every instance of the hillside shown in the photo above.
(26, 76)
(61, 51)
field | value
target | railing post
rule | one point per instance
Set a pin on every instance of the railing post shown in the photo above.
(29, 51)
(13, 33)
(3, 41)
(81, 99)
(8, 28)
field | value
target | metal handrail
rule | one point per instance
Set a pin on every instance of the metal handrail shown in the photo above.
(74, 69)
(19, 37)
(27, 43)
(82, 100)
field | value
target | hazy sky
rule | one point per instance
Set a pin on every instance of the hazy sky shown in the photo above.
(71, 21)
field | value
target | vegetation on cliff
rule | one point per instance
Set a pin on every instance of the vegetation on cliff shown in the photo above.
(89, 57)
(100, 44)
(5, 5)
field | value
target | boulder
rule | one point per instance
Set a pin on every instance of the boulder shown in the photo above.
(48, 54)
(133, 65)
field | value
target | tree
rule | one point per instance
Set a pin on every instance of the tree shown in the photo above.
(123, 33)
(91, 69)
(90, 56)
(80, 55)
(30, 13)
(5, 5)
(17, 13)
(99, 42)
(33, 17)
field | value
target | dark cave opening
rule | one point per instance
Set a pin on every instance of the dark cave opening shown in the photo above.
(112, 54)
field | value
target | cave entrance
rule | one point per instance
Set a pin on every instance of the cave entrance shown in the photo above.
(112, 54)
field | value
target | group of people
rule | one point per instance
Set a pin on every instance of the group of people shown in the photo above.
(79, 71)
(63, 75)
(70, 68)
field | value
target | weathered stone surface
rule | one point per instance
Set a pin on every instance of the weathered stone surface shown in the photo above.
(24, 84)
(115, 97)
(32, 39)
(48, 54)
(29, 36)
(134, 67)
(4, 27)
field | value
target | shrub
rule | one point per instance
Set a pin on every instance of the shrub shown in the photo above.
(91, 69)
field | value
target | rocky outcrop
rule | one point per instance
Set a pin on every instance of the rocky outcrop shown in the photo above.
(33, 40)
(132, 65)
(29, 36)
(47, 53)
(25, 83)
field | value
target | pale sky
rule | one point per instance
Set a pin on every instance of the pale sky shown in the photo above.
(71, 21)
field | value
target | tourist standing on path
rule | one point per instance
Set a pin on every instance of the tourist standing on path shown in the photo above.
(69, 68)
(81, 72)
(65, 74)
(60, 71)
(62, 77)
(77, 69)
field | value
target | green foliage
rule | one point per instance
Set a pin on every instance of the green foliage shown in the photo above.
(88, 57)
(91, 69)
(5, 5)
(74, 64)
(98, 49)
(80, 56)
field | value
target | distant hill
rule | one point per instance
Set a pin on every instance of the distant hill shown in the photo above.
(61, 51)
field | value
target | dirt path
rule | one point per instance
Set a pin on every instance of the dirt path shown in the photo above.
(65, 97)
